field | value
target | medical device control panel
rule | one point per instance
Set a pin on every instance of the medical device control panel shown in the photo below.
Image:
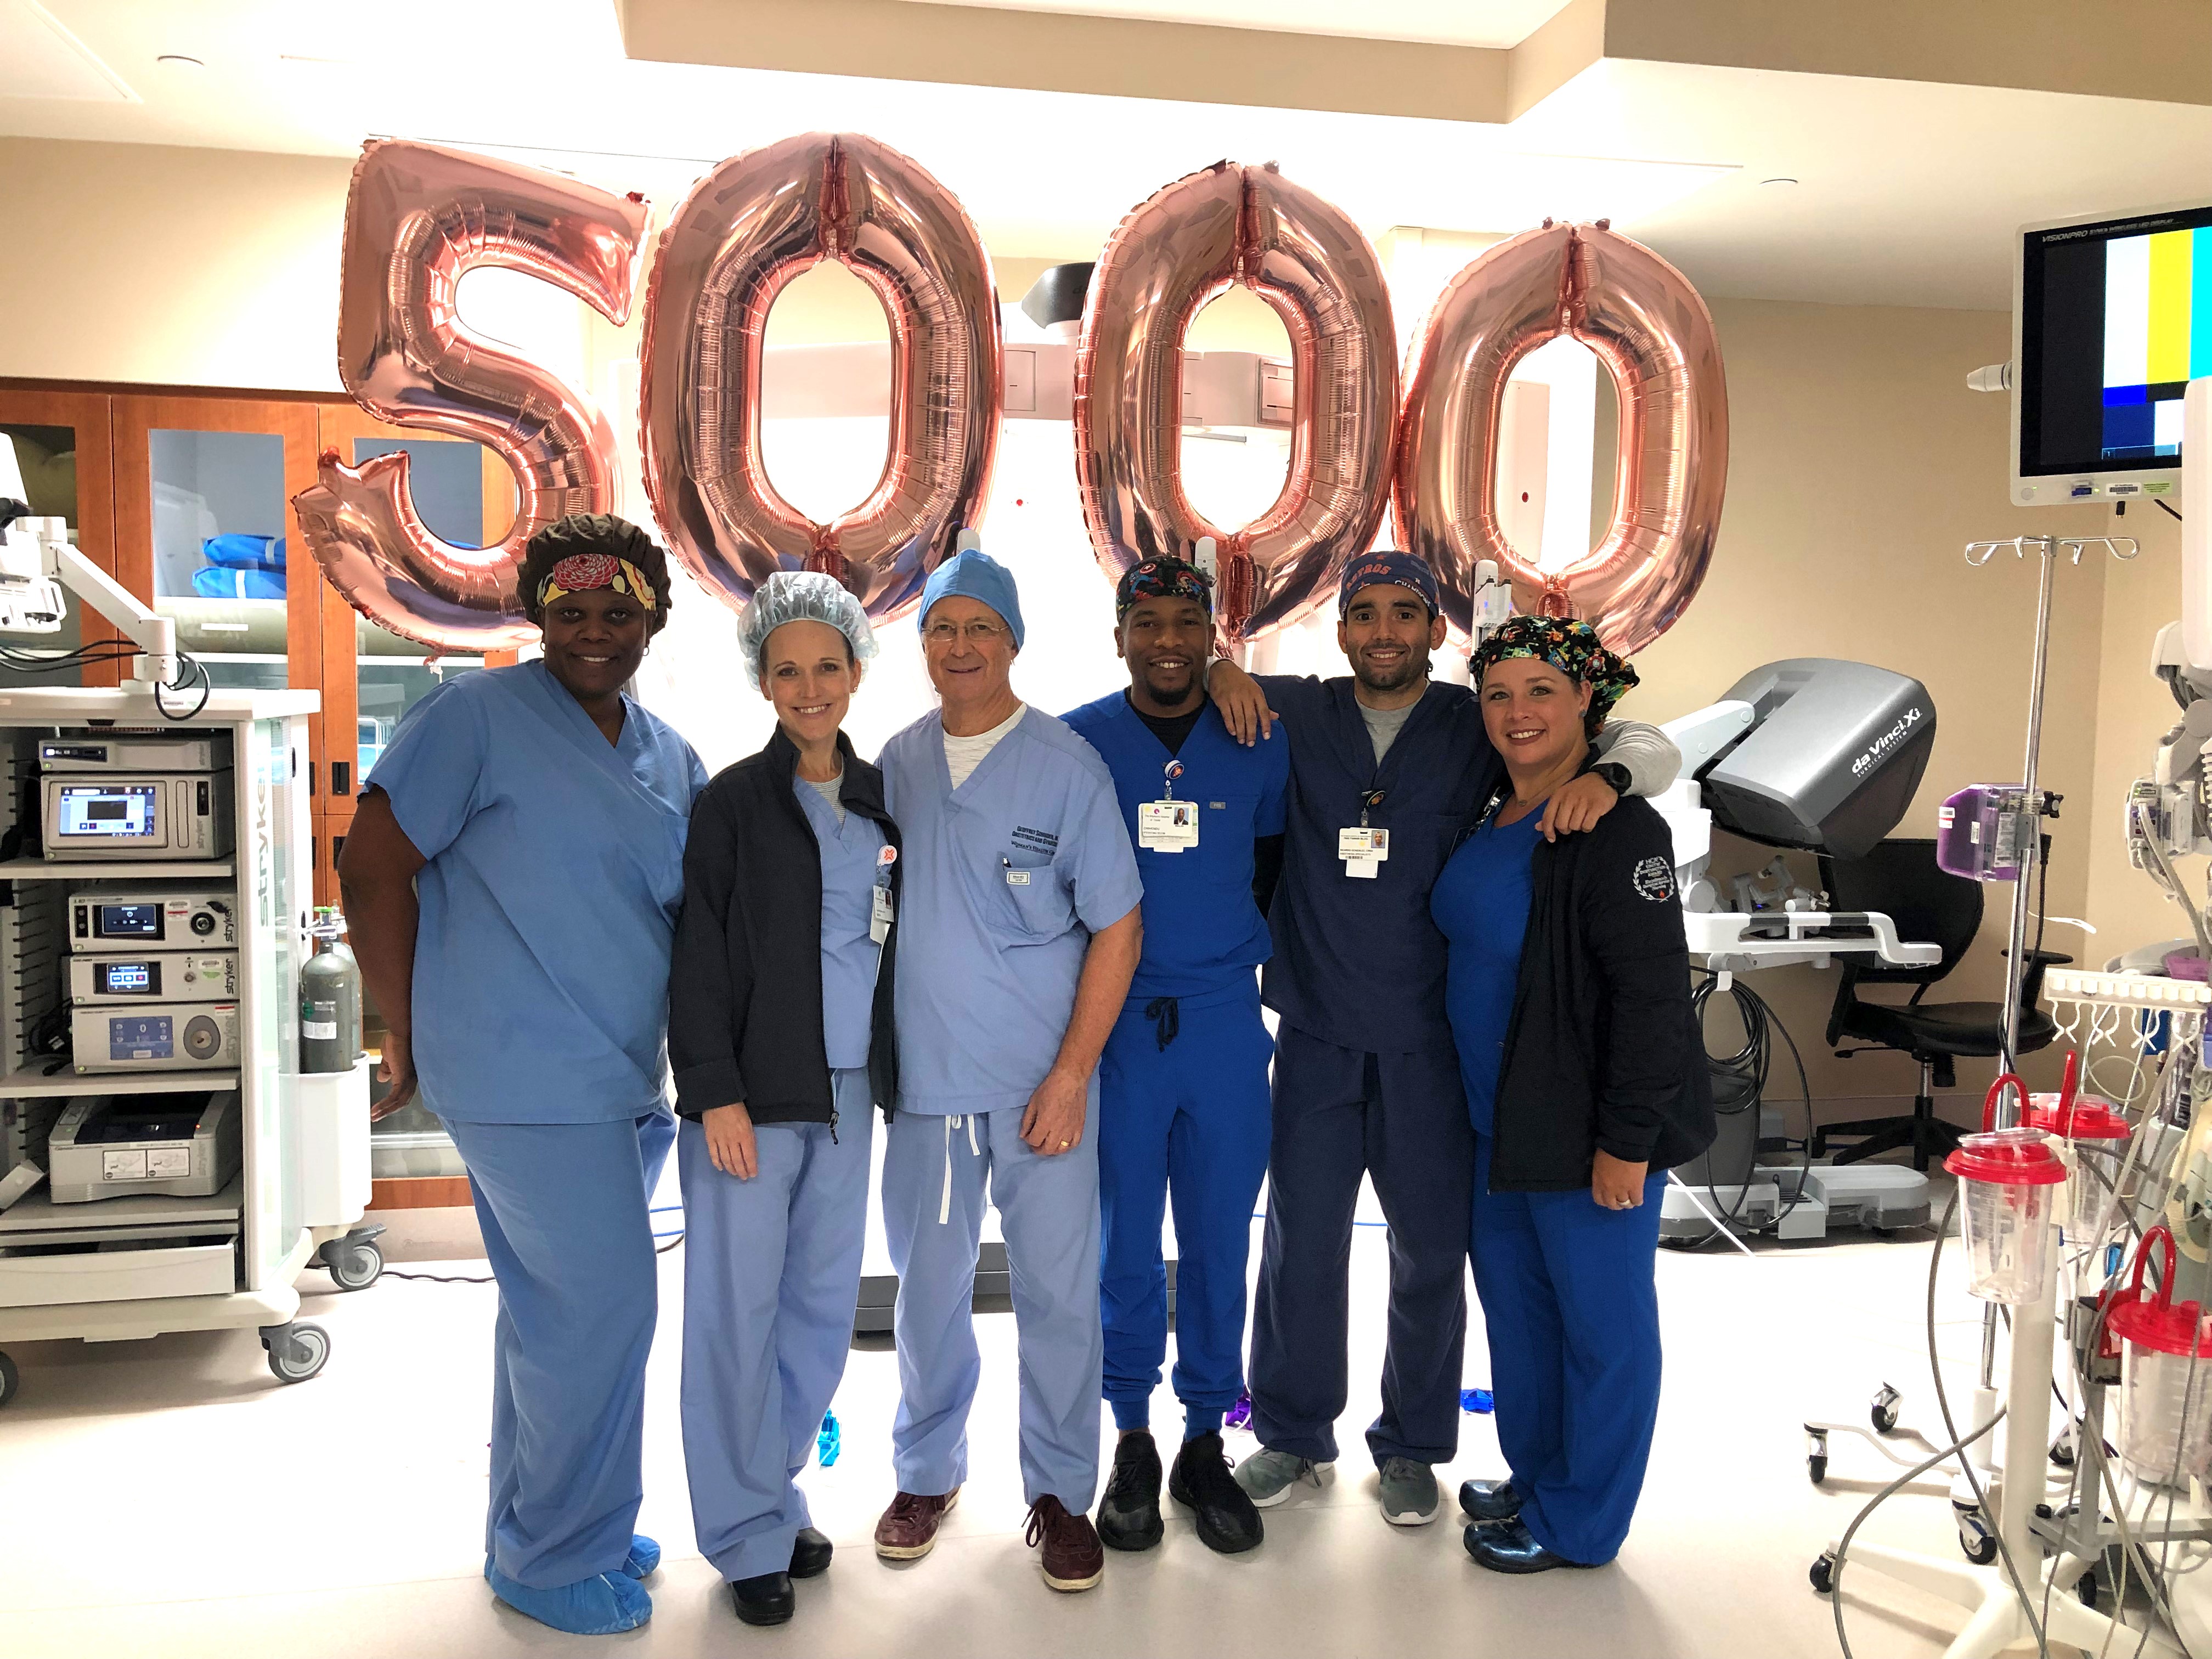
(151, 919)
(154, 977)
(155, 1036)
(137, 815)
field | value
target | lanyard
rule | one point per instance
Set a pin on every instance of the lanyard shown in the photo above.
(1367, 803)
(1173, 770)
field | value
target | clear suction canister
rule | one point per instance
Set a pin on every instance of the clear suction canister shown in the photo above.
(2010, 1185)
(2166, 1375)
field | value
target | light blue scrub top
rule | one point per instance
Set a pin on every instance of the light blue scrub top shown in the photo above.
(1007, 879)
(850, 858)
(550, 900)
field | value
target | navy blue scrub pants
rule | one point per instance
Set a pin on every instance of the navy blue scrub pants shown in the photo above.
(563, 1207)
(1401, 1119)
(1572, 1313)
(1187, 1121)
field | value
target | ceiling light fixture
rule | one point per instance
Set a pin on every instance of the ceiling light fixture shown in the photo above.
(1777, 181)
(178, 60)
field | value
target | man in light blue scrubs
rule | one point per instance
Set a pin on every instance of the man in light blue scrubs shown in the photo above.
(1019, 937)
(514, 876)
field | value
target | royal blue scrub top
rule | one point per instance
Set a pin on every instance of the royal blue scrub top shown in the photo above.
(851, 855)
(1480, 903)
(1007, 879)
(1203, 930)
(549, 902)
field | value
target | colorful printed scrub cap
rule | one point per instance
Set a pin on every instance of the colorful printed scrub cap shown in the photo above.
(580, 573)
(1166, 577)
(1573, 648)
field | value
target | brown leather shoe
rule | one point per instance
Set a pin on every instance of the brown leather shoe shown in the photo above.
(1074, 1559)
(908, 1530)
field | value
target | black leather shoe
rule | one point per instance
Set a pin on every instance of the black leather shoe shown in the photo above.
(1507, 1546)
(1228, 1523)
(1484, 1501)
(810, 1554)
(1129, 1513)
(767, 1599)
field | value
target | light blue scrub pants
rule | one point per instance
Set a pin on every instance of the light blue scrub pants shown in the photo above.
(1572, 1312)
(563, 1207)
(935, 1172)
(1190, 1121)
(771, 1276)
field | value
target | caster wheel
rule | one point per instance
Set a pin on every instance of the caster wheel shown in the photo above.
(1976, 1540)
(354, 1266)
(1823, 1574)
(1816, 1467)
(1884, 1412)
(296, 1352)
(11, 1379)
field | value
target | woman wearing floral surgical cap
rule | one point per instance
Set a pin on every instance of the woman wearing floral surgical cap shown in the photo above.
(513, 878)
(1568, 989)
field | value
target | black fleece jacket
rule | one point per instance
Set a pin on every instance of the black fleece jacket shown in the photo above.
(1602, 1050)
(745, 989)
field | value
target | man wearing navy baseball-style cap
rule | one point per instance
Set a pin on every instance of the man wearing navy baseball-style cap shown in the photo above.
(1388, 766)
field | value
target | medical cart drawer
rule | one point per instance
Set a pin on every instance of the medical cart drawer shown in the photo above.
(45, 1281)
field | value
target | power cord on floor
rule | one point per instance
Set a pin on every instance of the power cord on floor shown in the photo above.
(486, 1278)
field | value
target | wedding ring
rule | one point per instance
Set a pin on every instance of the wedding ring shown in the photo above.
(1063, 1146)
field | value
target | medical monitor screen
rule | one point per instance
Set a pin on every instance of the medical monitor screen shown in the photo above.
(93, 811)
(2116, 320)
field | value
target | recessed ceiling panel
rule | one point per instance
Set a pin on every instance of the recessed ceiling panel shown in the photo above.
(39, 58)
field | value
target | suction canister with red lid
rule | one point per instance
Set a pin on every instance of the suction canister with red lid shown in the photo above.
(2010, 1183)
(2096, 1137)
(2165, 1375)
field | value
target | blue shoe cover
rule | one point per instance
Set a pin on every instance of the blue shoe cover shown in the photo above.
(644, 1556)
(595, 1607)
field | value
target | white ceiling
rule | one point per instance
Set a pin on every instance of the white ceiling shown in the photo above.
(1445, 23)
(1908, 191)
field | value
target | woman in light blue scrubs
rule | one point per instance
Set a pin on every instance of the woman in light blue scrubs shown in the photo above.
(513, 878)
(792, 861)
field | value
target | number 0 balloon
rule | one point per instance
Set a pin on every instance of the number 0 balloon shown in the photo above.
(1647, 326)
(751, 225)
(417, 218)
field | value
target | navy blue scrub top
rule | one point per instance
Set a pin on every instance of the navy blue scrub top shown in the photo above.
(1203, 933)
(1480, 903)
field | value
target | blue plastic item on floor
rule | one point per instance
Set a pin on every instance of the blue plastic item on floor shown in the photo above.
(826, 1443)
(595, 1607)
(644, 1556)
(1476, 1399)
(1239, 1416)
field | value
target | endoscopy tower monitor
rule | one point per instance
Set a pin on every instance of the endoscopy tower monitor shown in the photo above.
(2111, 320)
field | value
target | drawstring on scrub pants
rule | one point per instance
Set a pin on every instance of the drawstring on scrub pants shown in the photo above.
(945, 1198)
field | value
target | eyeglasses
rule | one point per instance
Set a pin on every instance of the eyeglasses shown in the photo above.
(945, 633)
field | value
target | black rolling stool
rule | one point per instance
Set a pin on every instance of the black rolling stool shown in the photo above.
(1901, 880)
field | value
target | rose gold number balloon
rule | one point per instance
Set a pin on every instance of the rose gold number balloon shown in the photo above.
(1654, 335)
(749, 226)
(1176, 252)
(418, 218)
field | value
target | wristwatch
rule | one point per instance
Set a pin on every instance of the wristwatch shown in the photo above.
(1613, 773)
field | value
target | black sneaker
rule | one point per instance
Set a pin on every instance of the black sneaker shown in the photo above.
(1228, 1520)
(1129, 1513)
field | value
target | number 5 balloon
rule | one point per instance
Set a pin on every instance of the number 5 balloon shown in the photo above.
(418, 218)
(751, 225)
(1176, 251)
(1647, 325)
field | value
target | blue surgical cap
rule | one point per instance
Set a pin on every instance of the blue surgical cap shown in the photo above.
(802, 596)
(974, 575)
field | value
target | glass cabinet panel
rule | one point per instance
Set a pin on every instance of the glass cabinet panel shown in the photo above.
(219, 550)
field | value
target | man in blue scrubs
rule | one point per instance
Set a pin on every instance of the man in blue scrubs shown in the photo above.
(1387, 768)
(1019, 932)
(1183, 1106)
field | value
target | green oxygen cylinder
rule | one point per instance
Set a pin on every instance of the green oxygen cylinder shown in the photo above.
(330, 1000)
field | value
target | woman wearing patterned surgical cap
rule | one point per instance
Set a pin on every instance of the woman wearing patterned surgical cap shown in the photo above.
(1568, 988)
(513, 878)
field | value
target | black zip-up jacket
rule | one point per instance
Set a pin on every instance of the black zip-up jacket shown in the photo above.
(744, 989)
(1602, 1051)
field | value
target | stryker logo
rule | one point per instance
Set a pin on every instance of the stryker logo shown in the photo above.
(1887, 741)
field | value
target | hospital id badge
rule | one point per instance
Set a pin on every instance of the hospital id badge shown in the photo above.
(879, 914)
(1167, 826)
(1363, 850)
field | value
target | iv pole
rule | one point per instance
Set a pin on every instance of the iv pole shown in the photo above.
(1997, 1604)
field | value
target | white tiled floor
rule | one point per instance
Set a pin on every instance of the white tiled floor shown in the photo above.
(169, 1498)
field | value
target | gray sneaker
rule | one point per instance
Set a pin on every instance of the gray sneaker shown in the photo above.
(1410, 1497)
(1268, 1477)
